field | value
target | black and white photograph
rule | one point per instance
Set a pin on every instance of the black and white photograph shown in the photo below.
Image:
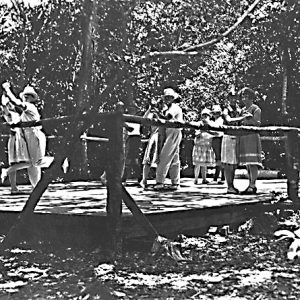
(149, 149)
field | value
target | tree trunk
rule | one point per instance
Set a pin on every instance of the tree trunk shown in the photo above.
(292, 137)
(83, 94)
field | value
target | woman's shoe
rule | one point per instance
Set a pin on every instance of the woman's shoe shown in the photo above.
(159, 187)
(174, 187)
(205, 181)
(249, 191)
(17, 192)
(233, 190)
(143, 184)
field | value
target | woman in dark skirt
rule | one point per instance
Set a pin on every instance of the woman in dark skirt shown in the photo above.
(250, 145)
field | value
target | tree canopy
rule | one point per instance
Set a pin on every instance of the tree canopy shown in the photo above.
(150, 44)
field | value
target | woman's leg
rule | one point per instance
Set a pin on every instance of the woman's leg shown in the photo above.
(12, 173)
(35, 174)
(222, 174)
(229, 171)
(217, 172)
(13, 181)
(146, 171)
(203, 174)
(253, 174)
(196, 173)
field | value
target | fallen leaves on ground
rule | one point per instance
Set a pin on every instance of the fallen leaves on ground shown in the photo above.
(237, 266)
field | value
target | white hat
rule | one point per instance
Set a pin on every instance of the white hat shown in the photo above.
(205, 111)
(217, 108)
(29, 90)
(170, 92)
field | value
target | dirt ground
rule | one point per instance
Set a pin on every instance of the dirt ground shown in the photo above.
(246, 264)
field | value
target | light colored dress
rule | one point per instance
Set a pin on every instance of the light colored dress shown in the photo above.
(229, 150)
(169, 160)
(230, 144)
(35, 137)
(17, 146)
(203, 153)
(151, 152)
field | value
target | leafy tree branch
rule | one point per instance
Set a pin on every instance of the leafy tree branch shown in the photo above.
(194, 50)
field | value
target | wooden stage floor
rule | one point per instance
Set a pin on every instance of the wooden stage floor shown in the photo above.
(78, 208)
(89, 198)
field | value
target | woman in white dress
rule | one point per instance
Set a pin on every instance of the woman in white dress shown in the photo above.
(18, 156)
(34, 136)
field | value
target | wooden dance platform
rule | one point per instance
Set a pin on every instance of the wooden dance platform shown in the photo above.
(70, 212)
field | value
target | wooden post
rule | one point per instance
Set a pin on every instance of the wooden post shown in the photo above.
(138, 214)
(114, 182)
(86, 167)
(291, 150)
(15, 231)
(291, 141)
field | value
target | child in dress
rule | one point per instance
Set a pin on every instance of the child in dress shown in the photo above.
(203, 153)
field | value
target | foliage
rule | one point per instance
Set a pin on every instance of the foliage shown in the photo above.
(43, 45)
(126, 31)
(242, 267)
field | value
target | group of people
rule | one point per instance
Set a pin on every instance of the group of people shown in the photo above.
(26, 145)
(223, 151)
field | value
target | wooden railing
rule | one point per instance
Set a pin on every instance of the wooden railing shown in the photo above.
(115, 190)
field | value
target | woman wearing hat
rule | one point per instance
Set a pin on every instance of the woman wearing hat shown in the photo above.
(169, 160)
(18, 156)
(34, 136)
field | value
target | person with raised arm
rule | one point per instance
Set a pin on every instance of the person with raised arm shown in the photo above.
(27, 107)
(18, 157)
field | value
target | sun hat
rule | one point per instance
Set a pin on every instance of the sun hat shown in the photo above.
(216, 109)
(205, 111)
(29, 90)
(170, 92)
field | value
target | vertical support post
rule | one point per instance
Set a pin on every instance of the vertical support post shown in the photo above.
(86, 168)
(114, 182)
(291, 144)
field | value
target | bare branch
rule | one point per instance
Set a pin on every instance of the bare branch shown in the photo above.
(195, 50)
(171, 53)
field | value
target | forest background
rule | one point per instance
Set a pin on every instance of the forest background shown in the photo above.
(82, 54)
